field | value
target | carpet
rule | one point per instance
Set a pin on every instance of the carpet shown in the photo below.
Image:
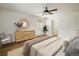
(16, 52)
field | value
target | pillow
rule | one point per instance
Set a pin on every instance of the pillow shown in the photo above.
(2, 35)
(65, 43)
(73, 48)
(69, 39)
(75, 35)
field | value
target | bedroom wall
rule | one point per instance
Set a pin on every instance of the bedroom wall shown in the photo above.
(77, 13)
(63, 22)
(52, 22)
(67, 23)
(8, 18)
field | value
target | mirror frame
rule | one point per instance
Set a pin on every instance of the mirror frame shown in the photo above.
(23, 20)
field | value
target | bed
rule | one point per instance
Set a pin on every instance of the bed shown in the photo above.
(47, 46)
(28, 44)
(44, 43)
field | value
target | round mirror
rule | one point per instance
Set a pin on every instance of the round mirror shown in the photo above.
(25, 23)
(22, 23)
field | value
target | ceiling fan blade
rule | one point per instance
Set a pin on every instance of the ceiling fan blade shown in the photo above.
(53, 10)
(50, 13)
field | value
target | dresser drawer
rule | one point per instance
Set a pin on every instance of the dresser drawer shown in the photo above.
(24, 35)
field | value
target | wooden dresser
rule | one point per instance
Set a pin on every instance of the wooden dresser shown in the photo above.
(24, 35)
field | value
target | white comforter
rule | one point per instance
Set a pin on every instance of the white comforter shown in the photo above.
(46, 48)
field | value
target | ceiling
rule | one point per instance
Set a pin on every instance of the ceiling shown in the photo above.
(34, 8)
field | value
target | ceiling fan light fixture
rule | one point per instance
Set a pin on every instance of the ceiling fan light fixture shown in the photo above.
(47, 11)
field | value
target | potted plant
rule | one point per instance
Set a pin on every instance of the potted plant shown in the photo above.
(45, 29)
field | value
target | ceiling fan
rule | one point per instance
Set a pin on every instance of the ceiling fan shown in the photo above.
(46, 11)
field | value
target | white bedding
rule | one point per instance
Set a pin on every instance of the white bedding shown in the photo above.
(60, 53)
(46, 48)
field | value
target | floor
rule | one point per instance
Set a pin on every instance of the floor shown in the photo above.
(9, 47)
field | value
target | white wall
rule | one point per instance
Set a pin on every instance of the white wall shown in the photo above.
(8, 18)
(77, 14)
(67, 23)
(52, 22)
(48, 23)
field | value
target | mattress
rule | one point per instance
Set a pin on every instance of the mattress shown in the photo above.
(46, 48)
(28, 44)
(60, 53)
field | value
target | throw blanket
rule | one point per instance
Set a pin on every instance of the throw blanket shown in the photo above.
(73, 48)
(28, 44)
(46, 48)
